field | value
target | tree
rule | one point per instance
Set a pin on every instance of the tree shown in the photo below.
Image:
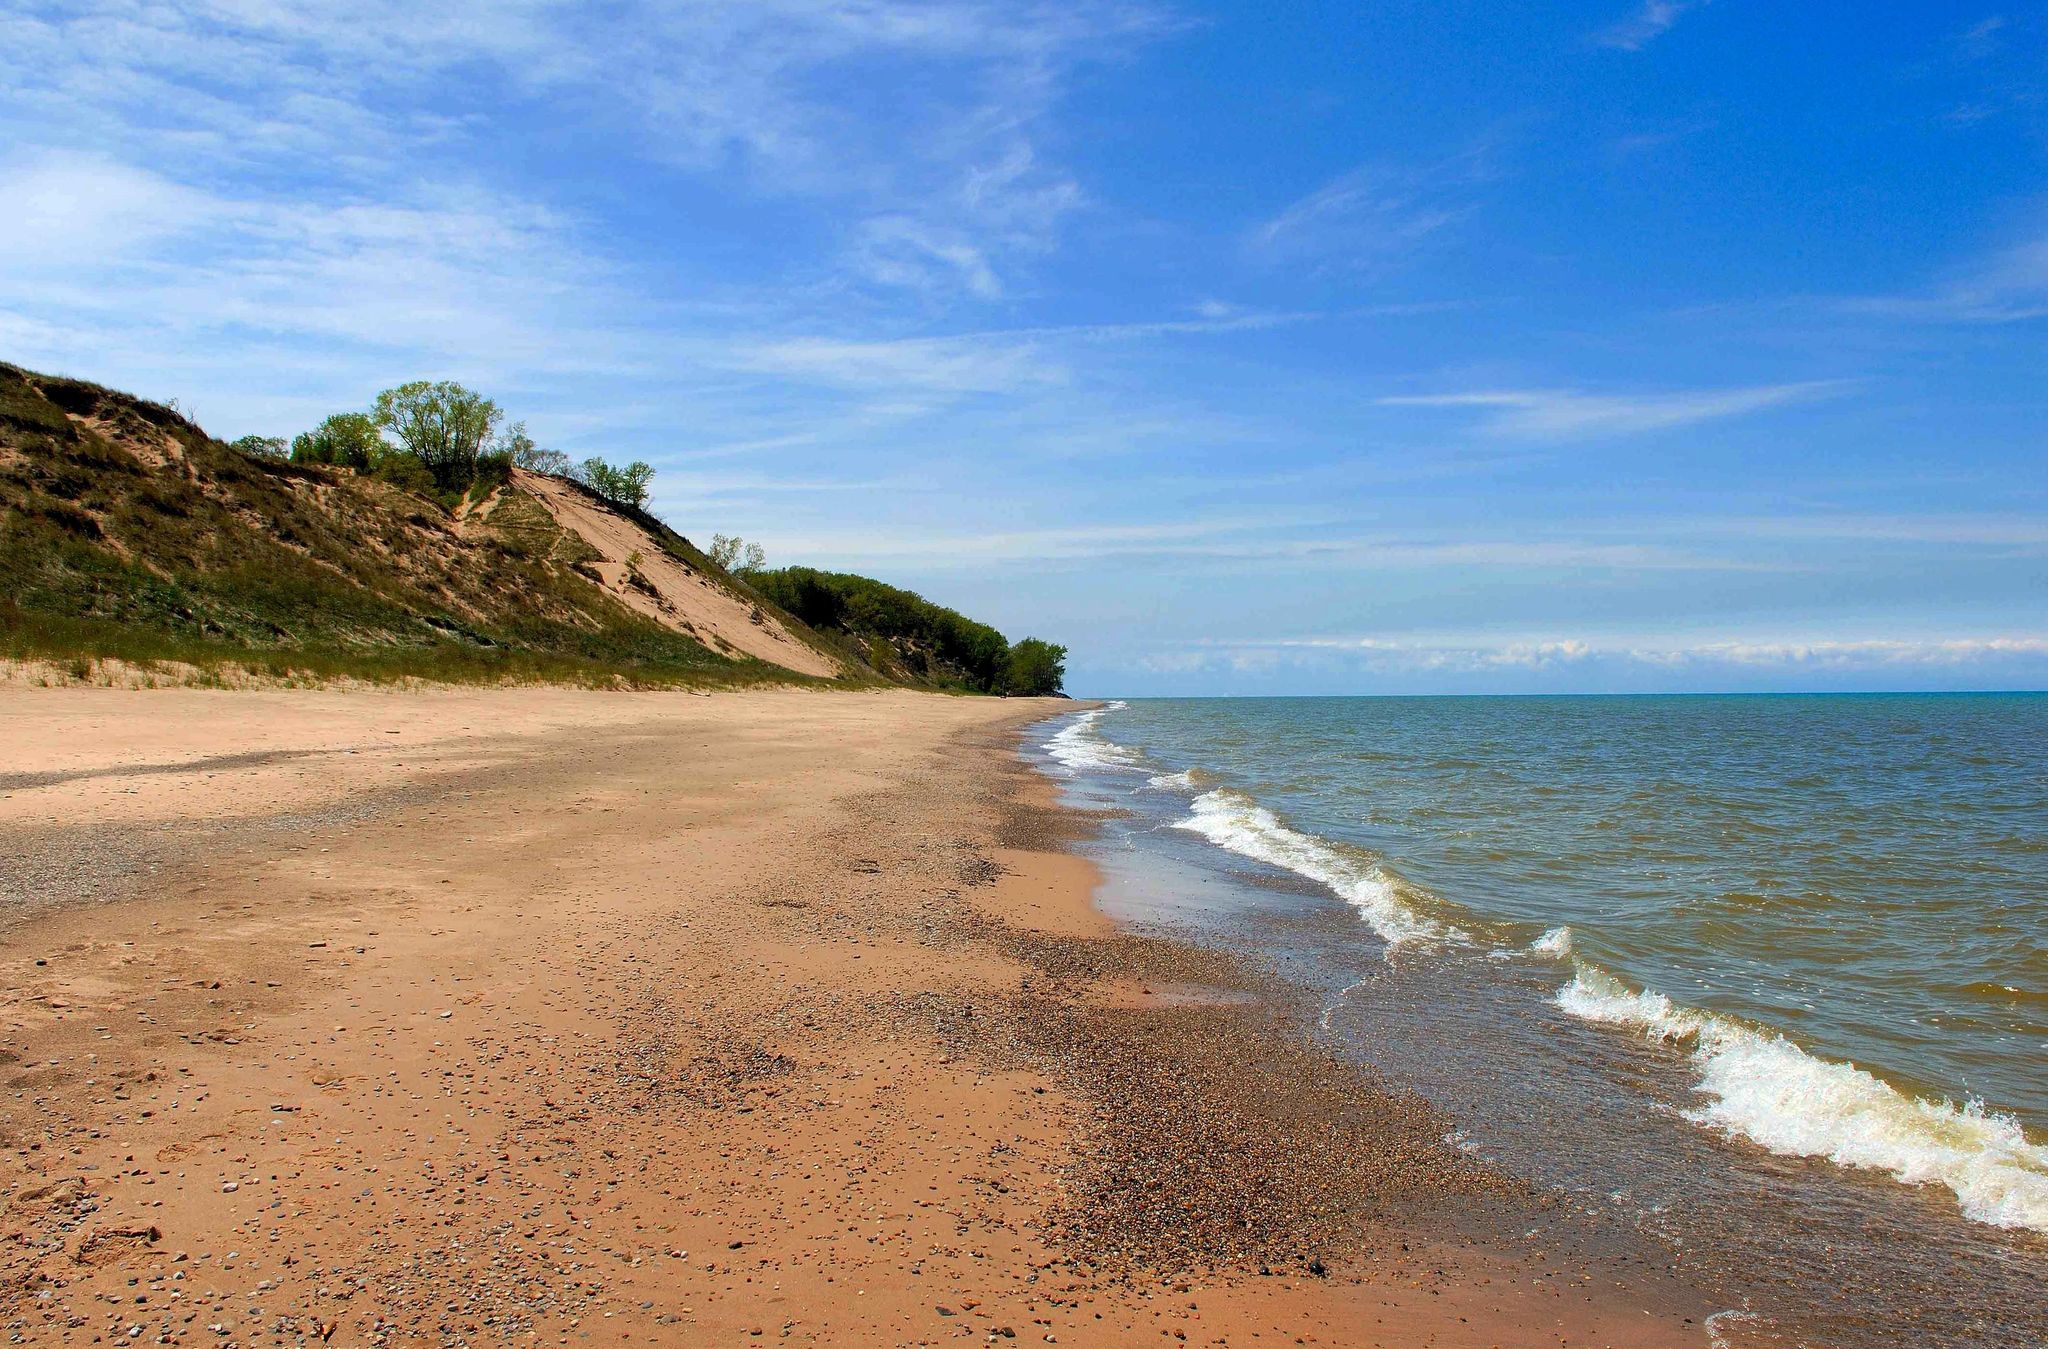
(261, 447)
(625, 486)
(442, 424)
(1034, 668)
(527, 455)
(736, 555)
(346, 440)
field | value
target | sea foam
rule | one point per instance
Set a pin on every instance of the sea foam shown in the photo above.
(1078, 745)
(1767, 1089)
(1234, 821)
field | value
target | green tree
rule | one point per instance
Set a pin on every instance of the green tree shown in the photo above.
(442, 424)
(736, 555)
(527, 455)
(625, 486)
(262, 447)
(346, 440)
(1034, 668)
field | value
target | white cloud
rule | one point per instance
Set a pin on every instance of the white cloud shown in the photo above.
(66, 211)
(1371, 216)
(1646, 25)
(1009, 360)
(898, 251)
(1471, 656)
(1546, 414)
(918, 119)
(947, 365)
(2009, 286)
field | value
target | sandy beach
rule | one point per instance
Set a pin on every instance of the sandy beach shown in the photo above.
(477, 1017)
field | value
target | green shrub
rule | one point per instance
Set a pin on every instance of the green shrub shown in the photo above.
(262, 447)
(621, 486)
(403, 469)
(345, 440)
(1034, 669)
(444, 425)
(971, 652)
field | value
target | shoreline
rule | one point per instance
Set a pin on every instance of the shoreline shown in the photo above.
(482, 1005)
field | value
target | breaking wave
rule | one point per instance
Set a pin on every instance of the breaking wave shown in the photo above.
(1767, 1089)
(1078, 745)
(1234, 821)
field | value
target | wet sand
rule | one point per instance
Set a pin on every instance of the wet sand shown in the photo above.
(590, 1018)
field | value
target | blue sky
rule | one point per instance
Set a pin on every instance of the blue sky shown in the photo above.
(1363, 347)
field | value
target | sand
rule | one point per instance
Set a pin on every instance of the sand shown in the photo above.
(562, 1017)
(632, 565)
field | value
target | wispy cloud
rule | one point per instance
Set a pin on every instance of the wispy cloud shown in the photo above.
(979, 363)
(1193, 537)
(1293, 542)
(919, 121)
(1547, 414)
(991, 361)
(1421, 655)
(1646, 25)
(2008, 286)
(1371, 216)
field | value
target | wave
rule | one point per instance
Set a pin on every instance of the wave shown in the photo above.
(1187, 780)
(1767, 1089)
(1078, 745)
(1235, 822)
(1556, 942)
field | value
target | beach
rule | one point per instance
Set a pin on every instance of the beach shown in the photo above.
(465, 1017)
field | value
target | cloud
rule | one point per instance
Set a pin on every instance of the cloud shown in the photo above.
(1837, 656)
(918, 120)
(1646, 25)
(1548, 414)
(896, 251)
(117, 252)
(991, 361)
(2009, 286)
(980, 363)
(71, 210)
(1285, 541)
(1371, 216)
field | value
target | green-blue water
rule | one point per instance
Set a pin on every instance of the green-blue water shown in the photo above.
(1835, 908)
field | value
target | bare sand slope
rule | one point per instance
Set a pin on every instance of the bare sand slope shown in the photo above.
(561, 1017)
(670, 591)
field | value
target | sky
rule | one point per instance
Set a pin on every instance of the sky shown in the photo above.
(1395, 347)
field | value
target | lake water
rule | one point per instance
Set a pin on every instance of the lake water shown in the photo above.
(1767, 974)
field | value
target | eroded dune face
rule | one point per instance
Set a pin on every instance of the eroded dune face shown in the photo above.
(641, 575)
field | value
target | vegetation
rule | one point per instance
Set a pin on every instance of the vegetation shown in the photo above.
(621, 486)
(1034, 669)
(262, 447)
(442, 424)
(898, 628)
(345, 440)
(141, 538)
(128, 533)
(736, 555)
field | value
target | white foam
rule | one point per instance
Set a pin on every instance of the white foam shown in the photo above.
(1078, 745)
(1234, 821)
(1767, 1089)
(1556, 942)
(1183, 781)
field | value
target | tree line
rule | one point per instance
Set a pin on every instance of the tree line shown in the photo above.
(861, 607)
(439, 438)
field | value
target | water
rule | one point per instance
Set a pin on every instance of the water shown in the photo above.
(1768, 973)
